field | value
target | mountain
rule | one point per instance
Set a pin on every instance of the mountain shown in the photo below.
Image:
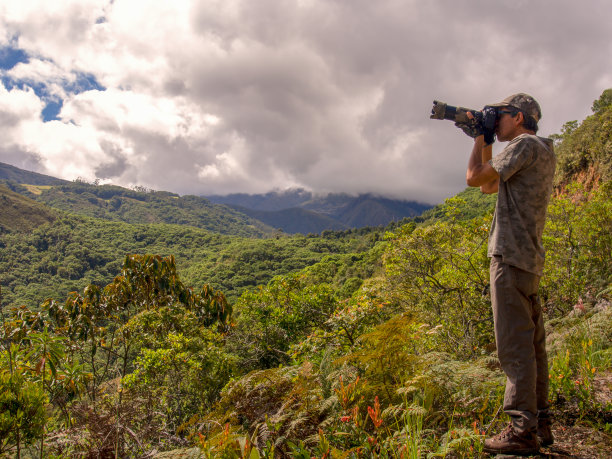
(271, 201)
(329, 212)
(295, 220)
(14, 174)
(120, 204)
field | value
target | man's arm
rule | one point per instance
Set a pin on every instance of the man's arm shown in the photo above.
(479, 172)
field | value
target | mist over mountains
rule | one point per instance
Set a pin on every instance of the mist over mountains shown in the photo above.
(301, 211)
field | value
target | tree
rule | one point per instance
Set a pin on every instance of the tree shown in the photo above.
(604, 101)
(439, 273)
(272, 318)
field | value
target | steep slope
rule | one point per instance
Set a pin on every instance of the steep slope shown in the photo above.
(295, 220)
(18, 213)
(584, 150)
(370, 211)
(272, 201)
(14, 174)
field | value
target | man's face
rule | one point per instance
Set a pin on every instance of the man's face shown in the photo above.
(507, 124)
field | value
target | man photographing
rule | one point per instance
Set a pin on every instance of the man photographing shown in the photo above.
(522, 176)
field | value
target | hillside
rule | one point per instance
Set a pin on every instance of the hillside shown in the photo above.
(477, 204)
(329, 212)
(295, 220)
(14, 174)
(585, 149)
(120, 204)
(51, 252)
(20, 213)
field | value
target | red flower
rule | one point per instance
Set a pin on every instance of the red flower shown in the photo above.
(375, 413)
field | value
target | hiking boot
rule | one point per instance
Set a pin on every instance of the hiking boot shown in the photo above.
(545, 435)
(509, 442)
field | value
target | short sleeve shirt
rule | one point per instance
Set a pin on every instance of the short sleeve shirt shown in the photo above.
(526, 168)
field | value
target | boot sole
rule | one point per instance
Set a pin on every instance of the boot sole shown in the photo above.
(518, 452)
(546, 443)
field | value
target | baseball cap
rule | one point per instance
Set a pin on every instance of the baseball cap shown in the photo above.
(523, 102)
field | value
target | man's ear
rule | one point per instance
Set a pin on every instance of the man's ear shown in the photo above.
(520, 118)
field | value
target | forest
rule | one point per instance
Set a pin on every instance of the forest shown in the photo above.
(165, 340)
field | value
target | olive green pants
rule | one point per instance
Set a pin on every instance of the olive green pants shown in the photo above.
(521, 343)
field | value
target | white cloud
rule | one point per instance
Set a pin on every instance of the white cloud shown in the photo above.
(242, 96)
(16, 106)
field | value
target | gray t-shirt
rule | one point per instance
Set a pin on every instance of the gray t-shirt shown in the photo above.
(526, 168)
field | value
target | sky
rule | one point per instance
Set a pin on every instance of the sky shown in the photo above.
(227, 96)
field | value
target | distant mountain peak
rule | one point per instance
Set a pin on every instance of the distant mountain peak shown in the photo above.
(326, 211)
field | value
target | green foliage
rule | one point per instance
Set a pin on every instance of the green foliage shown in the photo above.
(233, 445)
(580, 352)
(119, 204)
(73, 252)
(473, 204)
(604, 101)
(584, 151)
(279, 404)
(578, 241)
(367, 308)
(272, 318)
(184, 374)
(22, 401)
(440, 273)
(20, 213)
(387, 355)
(145, 328)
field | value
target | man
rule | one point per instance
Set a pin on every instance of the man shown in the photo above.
(522, 175)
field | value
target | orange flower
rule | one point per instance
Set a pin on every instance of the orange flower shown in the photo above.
(375, 413)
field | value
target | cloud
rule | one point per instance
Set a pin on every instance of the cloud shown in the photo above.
(238, 96)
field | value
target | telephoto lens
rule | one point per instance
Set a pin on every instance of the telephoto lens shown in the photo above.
(484, 121)
(443, 111)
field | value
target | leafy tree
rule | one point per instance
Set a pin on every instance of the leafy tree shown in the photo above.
(604, 101)
(440, 273)
(585, 149)
(272, 318)
(22, 401)
(578, 243)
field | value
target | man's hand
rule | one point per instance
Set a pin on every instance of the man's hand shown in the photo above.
(472, 129)
(489, 136)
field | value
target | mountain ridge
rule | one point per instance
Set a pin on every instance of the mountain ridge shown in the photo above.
(333, 211)
(291, 211)
(15, 174)
(115, 203)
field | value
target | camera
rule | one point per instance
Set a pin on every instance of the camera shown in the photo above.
(485, 118)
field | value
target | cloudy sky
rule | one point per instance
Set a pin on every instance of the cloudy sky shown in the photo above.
(223, 96)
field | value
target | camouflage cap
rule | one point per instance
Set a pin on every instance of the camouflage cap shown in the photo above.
(523, 102)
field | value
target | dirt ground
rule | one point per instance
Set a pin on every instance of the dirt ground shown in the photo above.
(576, 439)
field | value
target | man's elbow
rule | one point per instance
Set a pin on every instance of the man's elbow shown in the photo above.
(471, 180)
(490, 188)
